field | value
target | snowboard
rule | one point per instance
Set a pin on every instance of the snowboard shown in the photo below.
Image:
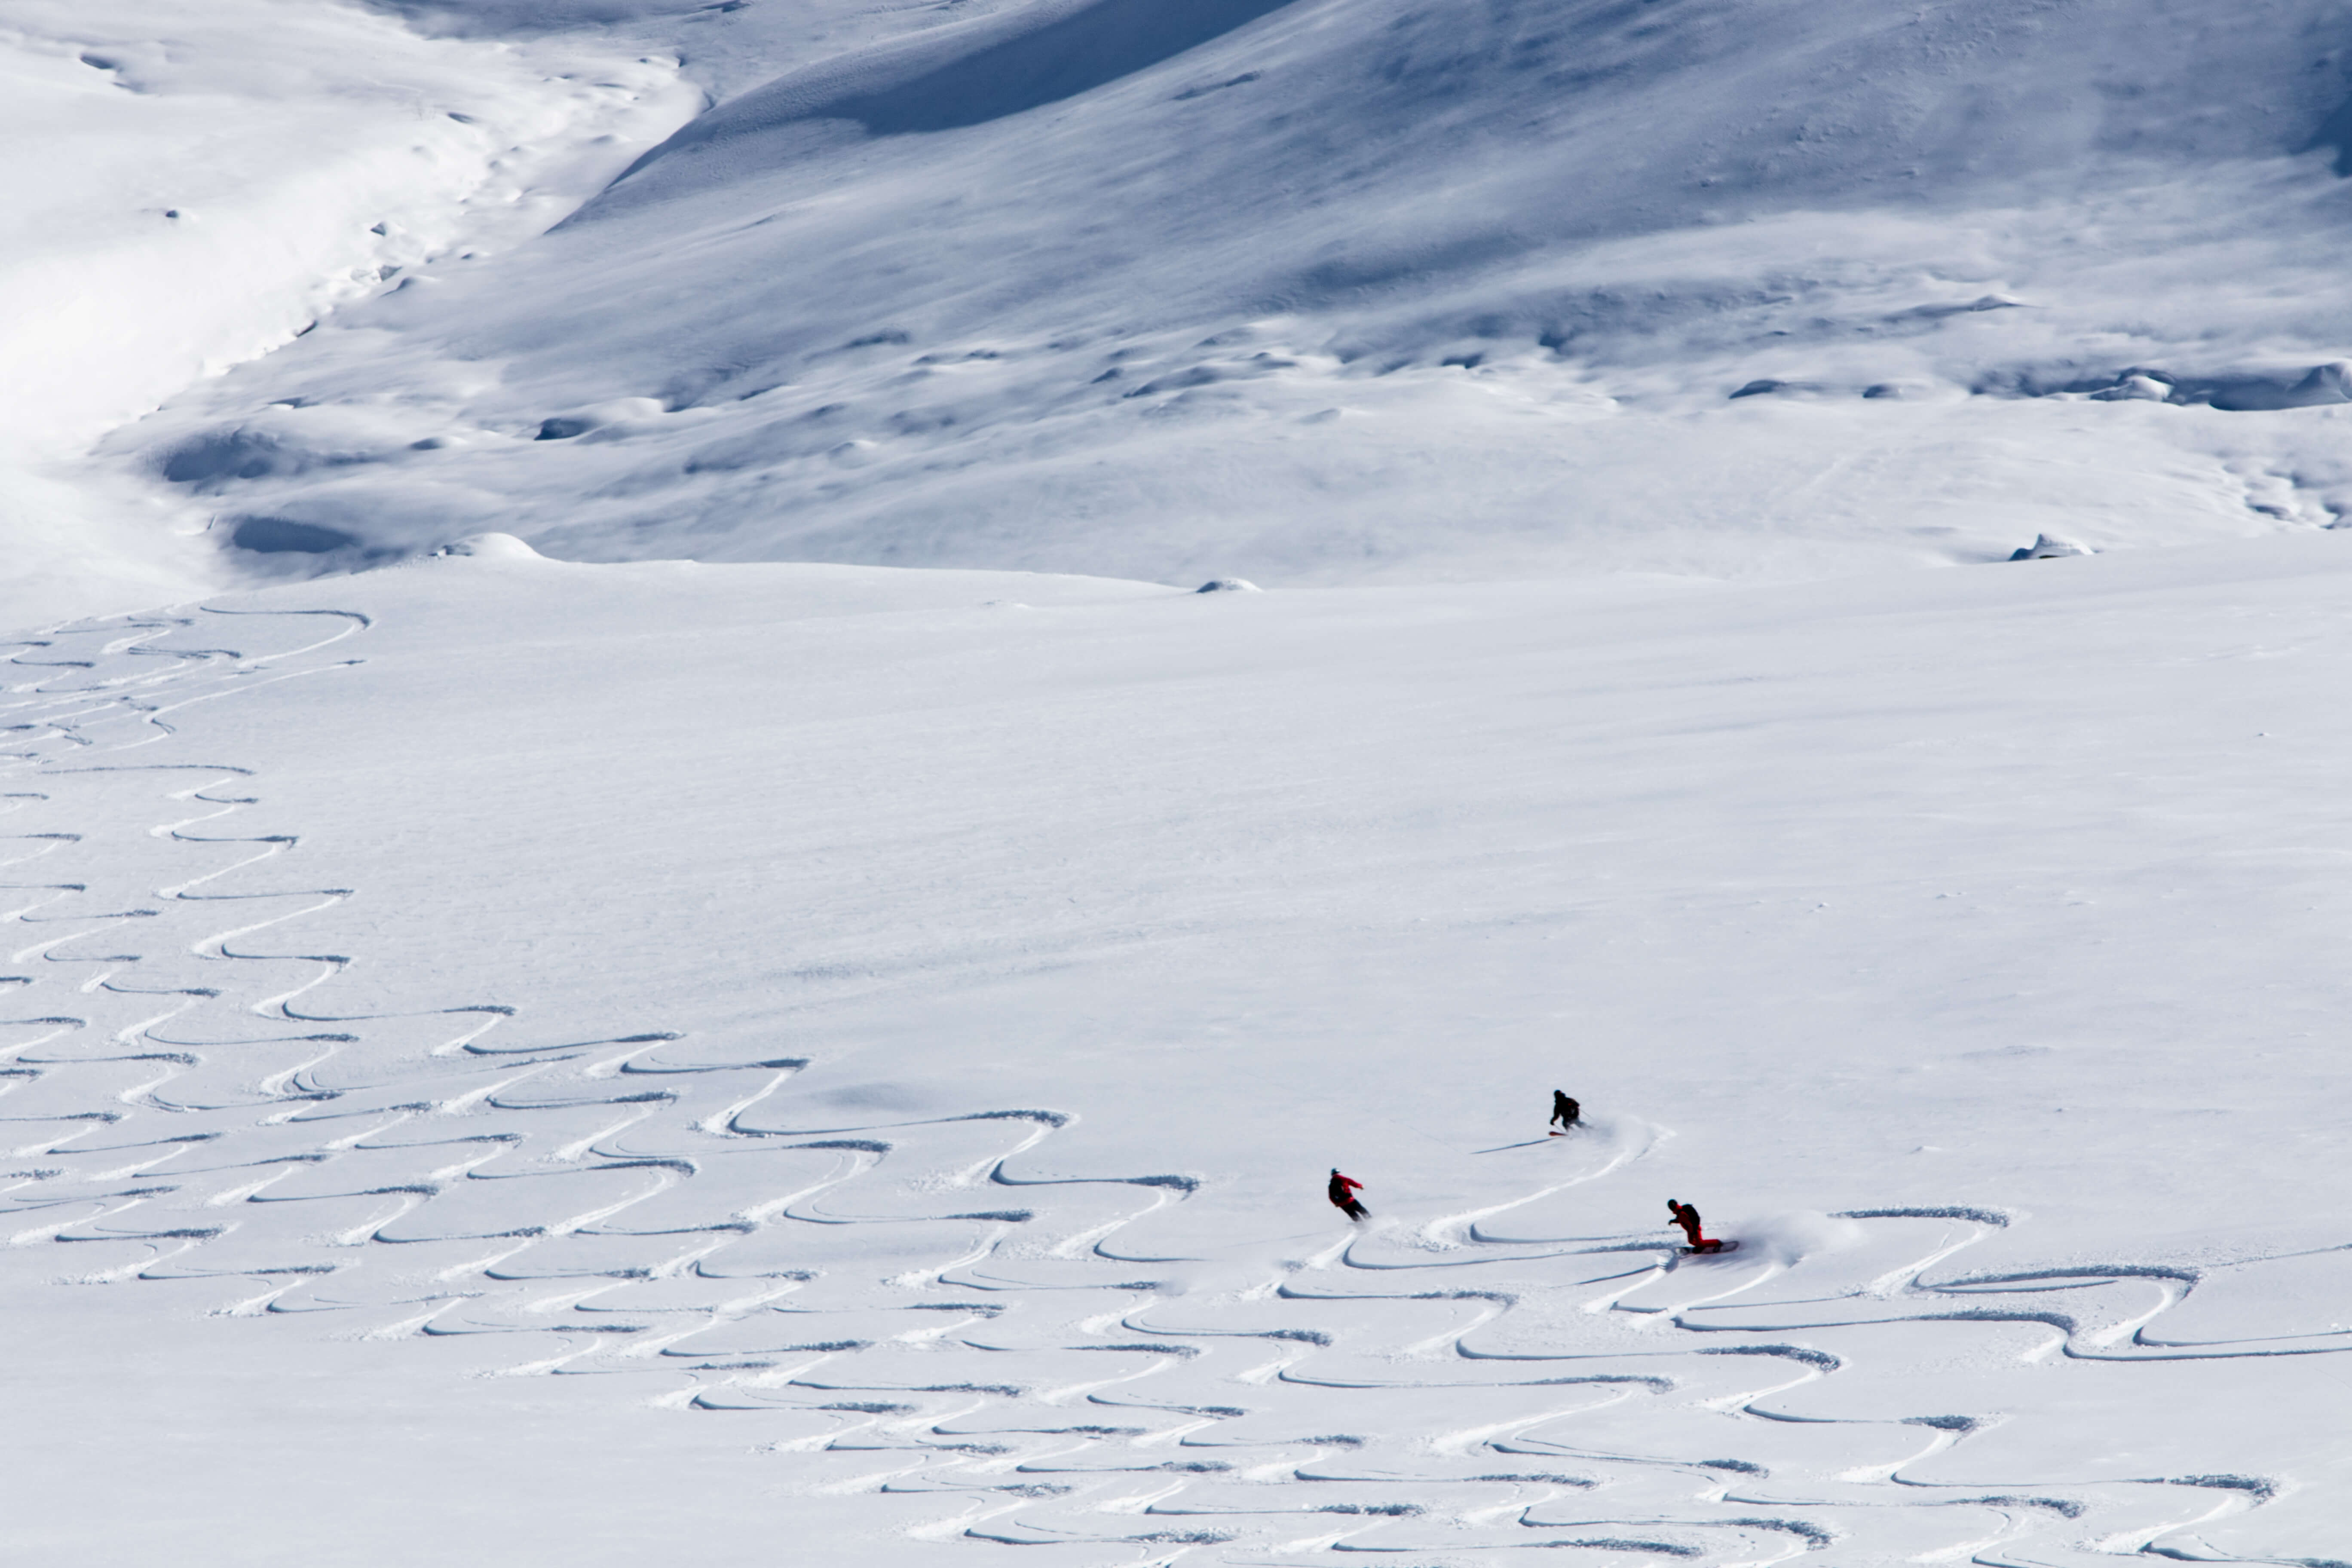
(1709, 1252)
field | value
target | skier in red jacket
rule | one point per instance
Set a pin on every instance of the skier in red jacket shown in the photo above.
(1343, 1191)
(1686, 1216)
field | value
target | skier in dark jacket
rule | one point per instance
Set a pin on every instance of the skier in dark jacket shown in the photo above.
(1343, 1191)
(1564, 1110)
(1686, 1216)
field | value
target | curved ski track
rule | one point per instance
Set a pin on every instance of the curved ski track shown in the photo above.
(179, 1103)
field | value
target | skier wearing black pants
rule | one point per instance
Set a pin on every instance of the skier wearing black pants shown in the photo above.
(1343, 1191)
(1564, 1110)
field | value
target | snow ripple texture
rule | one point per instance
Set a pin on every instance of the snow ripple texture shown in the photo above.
(901, 1308)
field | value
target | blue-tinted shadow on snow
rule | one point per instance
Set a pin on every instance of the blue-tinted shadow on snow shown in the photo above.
(279, 535)
(970, 75)
(2232, 392)
(1076, 53)
(2334, 135)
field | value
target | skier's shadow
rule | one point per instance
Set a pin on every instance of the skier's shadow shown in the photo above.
(1528, 1144)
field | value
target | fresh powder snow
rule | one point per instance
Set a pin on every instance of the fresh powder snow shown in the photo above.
(741, 737)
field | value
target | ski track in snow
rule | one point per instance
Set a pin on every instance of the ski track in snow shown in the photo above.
(906, 1311)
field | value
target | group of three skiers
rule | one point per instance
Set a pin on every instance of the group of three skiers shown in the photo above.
(1567, 1113)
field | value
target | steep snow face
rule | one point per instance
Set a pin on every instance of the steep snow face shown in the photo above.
(1326, 290)
(852, 1058)
(195, 183)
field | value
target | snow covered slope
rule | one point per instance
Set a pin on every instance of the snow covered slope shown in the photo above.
(1365, 289)
(193, 184)
(536, 1061)
(849, 1058)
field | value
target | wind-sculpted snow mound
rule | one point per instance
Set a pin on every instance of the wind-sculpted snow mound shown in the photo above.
(1327, 292)
(893, 1027)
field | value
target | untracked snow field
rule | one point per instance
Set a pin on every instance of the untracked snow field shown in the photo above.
(531, 1062)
